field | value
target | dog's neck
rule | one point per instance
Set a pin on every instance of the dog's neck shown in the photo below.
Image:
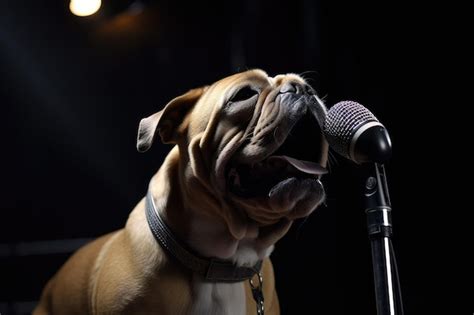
(204, 231)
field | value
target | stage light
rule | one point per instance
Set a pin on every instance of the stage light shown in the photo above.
(84, 7)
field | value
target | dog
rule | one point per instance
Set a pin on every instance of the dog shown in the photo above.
(247, 160)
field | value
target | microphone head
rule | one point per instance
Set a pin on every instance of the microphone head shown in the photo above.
(346, 123)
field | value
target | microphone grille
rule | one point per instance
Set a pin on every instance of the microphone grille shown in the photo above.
(342, 121)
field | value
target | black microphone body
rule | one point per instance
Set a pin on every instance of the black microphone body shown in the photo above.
(355, 133)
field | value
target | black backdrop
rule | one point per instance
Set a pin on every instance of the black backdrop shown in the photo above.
(74, 89)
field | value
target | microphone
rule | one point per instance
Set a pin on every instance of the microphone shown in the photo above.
(355, 133)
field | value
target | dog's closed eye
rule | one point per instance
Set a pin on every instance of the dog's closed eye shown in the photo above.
(243, 94)
(240, 106)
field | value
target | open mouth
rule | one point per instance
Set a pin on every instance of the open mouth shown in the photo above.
(298, 157)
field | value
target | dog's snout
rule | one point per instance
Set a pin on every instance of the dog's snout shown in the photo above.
(296, 88)
(290, 87)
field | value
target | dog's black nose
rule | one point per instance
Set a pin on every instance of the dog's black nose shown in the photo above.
(297, 88)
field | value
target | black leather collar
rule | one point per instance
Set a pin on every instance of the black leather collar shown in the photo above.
(212, 269)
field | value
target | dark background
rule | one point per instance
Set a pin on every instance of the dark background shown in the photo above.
(72, 91)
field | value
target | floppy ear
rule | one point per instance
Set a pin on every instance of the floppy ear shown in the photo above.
(168, 122)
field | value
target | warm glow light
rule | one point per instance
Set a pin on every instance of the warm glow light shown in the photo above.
(84, 7)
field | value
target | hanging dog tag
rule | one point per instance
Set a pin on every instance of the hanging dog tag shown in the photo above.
(257, 292)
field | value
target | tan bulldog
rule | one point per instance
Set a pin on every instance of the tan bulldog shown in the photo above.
(247, 160)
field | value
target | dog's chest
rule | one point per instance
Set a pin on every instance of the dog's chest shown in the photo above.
(218, 298)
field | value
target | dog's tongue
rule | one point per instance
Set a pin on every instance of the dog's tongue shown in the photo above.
(303, 166)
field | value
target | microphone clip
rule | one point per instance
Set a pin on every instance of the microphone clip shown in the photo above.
(378, 206)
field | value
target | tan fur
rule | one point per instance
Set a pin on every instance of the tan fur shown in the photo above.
(127, 272)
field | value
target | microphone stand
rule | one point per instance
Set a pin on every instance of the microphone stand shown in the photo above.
(379, 226)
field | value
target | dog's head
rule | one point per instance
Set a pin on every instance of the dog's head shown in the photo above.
(251, 147)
